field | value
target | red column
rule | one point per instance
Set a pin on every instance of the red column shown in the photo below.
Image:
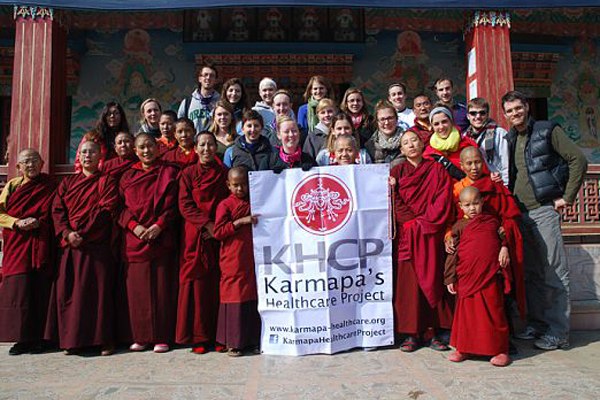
(489, 65)
(38, 105)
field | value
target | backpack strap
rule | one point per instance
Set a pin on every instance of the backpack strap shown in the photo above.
(186, 106)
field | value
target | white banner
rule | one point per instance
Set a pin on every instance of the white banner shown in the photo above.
(323, 258)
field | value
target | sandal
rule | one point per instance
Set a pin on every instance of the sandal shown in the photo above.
(409, 344)
(234, 353)
(437, 345)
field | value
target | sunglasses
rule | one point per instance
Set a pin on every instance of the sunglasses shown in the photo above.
(475, 113)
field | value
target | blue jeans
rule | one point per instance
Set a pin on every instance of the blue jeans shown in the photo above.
(546, 272)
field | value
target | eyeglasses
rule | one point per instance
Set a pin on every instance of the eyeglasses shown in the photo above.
(476, 113)
(386, 119)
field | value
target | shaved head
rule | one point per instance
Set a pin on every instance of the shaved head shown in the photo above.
(28, 153)
(237, 172)
(93, 145)
(470, 152)
(143, 136)
(468, 193)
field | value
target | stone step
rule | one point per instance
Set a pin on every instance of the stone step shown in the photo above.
(585, 315)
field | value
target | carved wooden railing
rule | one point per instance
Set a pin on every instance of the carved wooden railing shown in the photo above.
(583, 217)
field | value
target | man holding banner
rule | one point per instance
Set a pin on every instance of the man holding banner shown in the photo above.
(325, 281)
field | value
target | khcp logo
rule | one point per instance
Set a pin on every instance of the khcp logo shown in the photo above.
(321, 204)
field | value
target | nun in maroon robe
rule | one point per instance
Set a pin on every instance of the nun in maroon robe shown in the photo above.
(149, 220)
(27, 264)
(422, 208)
(183, 155)
(83, 212)
(201, 188)
(239, 321)
(124, 159)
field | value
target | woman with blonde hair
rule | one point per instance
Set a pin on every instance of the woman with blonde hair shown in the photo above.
(289, 154)
(150, 112)
(318, 88)
(316, 138)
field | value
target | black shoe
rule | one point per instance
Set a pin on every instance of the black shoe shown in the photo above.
(512, 349)
(19, 348)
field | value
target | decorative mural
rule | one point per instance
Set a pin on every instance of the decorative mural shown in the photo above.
(575, 96)
(128, 67)
(416, 59)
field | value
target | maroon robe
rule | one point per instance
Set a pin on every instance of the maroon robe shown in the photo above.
(239, 322)
(117, 166)
(151, 268)
(422, 207)
(480, 326)
(179, 157)
(84, 288)
(499, 201)
(421, 131)
(27, 263)
(201, 188)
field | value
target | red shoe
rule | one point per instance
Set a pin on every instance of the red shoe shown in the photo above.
(500, 360)
(457, 356)
(200, 349)
(220, 348)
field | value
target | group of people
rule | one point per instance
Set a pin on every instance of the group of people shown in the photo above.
(152, 235)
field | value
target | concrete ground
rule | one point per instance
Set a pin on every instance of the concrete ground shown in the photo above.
(383, 374)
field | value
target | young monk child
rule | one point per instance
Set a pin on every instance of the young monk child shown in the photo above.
(166, 124)
(251, 150)
(27, 265)
(149, 190)
(239, 322)
(201, 188)
(125, 158)
(345, 150)
(83, 212)
(475, 273)
(183, 155)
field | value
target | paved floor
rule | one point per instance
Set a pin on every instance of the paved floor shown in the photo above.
(384, 374)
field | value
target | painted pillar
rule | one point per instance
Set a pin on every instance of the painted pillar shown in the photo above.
(39, 102)
(489, 64)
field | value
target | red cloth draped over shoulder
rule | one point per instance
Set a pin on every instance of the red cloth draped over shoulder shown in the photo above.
(79, 204)
(454, 156)
(476, 268)
(150, 197)
(499, 201)
(201, 188)
(117, 166)
(25, 251)
(424, 192)
(238, 280)
(180, 157)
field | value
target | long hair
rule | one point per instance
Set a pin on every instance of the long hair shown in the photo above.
(102, 126)
(243, 102)
(214, 128)
(323, 81)
(330, 138)
(344, 106)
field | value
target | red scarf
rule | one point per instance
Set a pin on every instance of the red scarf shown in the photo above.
(290, 159)
(356, 120)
